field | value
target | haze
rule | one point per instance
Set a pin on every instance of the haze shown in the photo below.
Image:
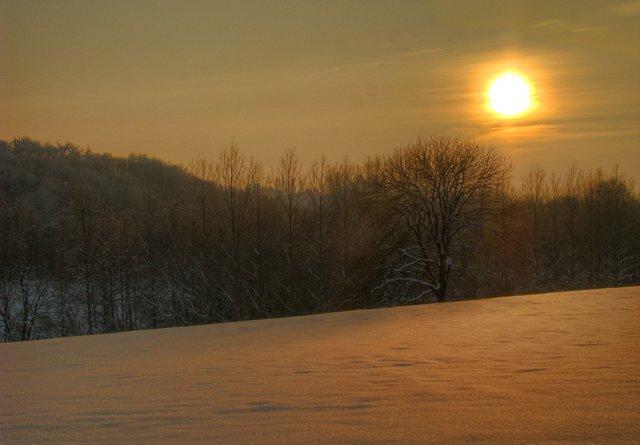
(175, 79)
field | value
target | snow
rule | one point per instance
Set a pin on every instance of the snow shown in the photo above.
(548, 368)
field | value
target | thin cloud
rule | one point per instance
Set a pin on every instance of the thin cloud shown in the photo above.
(557, 25)
(628, 8)
(379, 61)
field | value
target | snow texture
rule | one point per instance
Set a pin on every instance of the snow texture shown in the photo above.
(548, 368)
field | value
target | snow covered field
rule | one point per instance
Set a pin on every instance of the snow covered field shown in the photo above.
(552, 368)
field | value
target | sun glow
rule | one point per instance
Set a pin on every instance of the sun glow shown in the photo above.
(510, 95)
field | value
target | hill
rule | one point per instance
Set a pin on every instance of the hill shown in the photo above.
(547, 368)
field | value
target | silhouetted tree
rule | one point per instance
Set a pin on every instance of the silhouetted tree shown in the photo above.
(439, 189)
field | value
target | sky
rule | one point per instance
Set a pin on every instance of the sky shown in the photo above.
(176, 79)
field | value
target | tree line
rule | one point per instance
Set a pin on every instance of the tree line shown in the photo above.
(91, 243)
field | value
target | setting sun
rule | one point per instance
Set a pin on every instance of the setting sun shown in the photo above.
(510, 95)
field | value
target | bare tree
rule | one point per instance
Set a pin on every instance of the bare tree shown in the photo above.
(232, 174)
(534, 192)
(318, 190)
(289, 181)
(257, 257)
(86, 218)
(202, 170)
(435, 187)
(573, 191)
(342, 184)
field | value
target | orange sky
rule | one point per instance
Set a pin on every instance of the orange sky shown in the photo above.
(175, 79)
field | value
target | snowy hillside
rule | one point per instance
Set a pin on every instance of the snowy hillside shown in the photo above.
(552, 368)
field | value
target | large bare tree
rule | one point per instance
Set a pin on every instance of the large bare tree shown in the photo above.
(435, 190)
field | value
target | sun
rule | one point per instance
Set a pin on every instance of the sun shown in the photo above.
(510, 95)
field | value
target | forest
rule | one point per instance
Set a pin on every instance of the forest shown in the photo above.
(93, 243)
